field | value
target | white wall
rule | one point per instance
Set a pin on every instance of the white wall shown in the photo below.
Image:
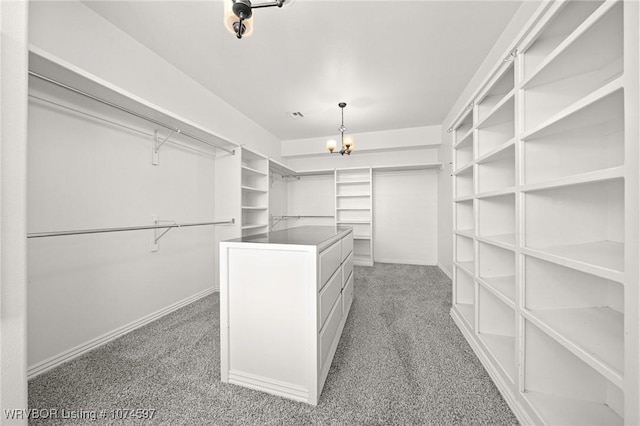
(13, 143)
(500, 50)
(400, 146)
(404, 203)
(76, 34)
(84, 174)
(405, 222)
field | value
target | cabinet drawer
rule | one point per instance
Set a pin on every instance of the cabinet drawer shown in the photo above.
(328, 333)
(347, 269)
(347, 245)
(328, 296)
(329, 261)
(347, 295)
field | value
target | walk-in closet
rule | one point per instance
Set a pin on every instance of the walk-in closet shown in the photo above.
(306, 212)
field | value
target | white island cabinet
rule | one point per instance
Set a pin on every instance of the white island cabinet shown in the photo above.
(284, 300)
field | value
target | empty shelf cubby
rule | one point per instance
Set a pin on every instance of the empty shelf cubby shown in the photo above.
(589, 140)
(464, 216)
(592, 60)
(497, 171)
(496, 218)
(496, 329)
(583, 222)
(465, 295)
(465, 253)
(561, 26)
(585, 310)
(563, 389)
(496, 268)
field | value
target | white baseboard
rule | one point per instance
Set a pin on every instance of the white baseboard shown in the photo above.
(446, 271)
(404, 261)
(56, 360)
(504, 389)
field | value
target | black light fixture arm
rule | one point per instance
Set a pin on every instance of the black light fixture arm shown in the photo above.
(243, 10)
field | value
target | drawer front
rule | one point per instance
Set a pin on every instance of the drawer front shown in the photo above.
(329, 261)
(347, 295)
(347, 245)
(347, 269)
(328, 332)
(328, 296)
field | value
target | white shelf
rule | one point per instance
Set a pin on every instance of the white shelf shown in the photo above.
(253, 208)
(362, 237)
(503, 287)
(465, 140)
(466, 169)
(503, 350)
(467, 312)
(353, 221)
(572, 49)
(469, 233)
(354, 208)
(498, 153)
(496, 193)
(353, 195)
(507, 241)
(255, 226)
(347, 182)
(254, 171)
(591, 177)
(595, 96)
(504, 99)
(468, 266)
(557, 410)
(252, 189)
(599, 332)
(602, 254)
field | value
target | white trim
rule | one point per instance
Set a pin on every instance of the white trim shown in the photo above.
(405, 261)
(266, 384)
(503, 387)
(68, 355)
(447, 272)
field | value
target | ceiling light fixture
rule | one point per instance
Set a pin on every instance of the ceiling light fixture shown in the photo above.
(238, 13)
(347, 141)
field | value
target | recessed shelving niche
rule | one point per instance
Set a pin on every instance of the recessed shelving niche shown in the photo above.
(583, 222)
(571, 16)
(563, 389)
(464, 296)
(464, 216)
(590, 140)
(496, 218)
(496, 268)
(496, 329)
(585, 310)
(498, 170)
(593, 59)
(464, 253)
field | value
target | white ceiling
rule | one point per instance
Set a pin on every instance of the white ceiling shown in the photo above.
(397, 64)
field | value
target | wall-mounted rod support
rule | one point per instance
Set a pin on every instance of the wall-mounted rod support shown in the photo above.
(128, 111)
(123, 229)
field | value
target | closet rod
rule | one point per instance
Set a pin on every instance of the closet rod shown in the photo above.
(128, 111)
(301, 216)
(130, 228)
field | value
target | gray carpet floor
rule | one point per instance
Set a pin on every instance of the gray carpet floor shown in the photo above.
(401, 361)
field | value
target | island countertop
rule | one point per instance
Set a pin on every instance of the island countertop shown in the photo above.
(320, 236)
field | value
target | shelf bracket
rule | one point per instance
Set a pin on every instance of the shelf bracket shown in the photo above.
(155, 149)
(157, 235)
(512, 55)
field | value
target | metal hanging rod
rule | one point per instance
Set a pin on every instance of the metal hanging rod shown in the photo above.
(300, 216)
(128, 111)
(129, 228)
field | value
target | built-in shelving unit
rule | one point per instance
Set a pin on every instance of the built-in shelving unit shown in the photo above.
(255, 192)
(546, 224)
(354, 208)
